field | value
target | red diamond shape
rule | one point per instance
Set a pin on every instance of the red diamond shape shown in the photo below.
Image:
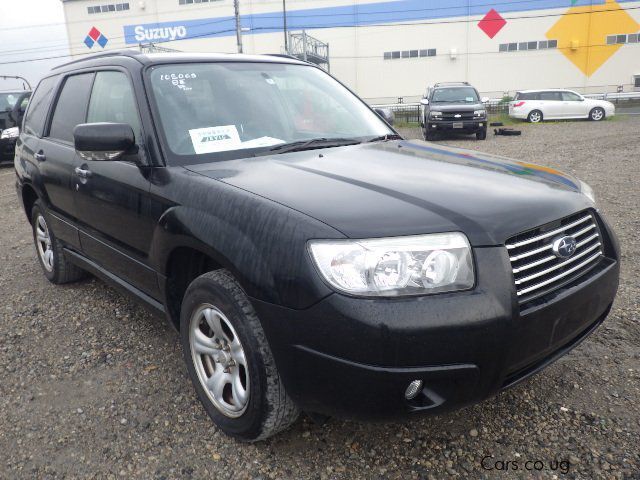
(492, 23)
(94, 33)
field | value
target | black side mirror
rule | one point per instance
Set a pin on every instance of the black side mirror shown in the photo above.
(386, 114)
(103, 141)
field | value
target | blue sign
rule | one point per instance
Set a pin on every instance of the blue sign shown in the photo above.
(331, 17)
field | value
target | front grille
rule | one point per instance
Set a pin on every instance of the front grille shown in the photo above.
(537, 270)
(452, 115)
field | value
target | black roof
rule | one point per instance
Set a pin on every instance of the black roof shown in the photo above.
(121, 56)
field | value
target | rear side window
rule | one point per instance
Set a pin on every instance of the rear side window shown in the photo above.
(71, 107)
(39, 106)
(527, 96)
(113, 100)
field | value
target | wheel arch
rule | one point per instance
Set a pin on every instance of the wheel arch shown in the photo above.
(29, 198)
(182, 250)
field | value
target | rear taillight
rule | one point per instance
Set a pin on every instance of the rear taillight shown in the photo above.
(518, 104)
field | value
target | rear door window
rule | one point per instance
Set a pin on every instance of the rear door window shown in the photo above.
(71, 107)
(113, 100)
(39, 106)
(550, 96)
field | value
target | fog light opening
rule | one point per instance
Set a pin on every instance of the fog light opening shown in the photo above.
(413, 389)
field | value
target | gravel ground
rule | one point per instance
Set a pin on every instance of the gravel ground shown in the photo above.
(93, 386)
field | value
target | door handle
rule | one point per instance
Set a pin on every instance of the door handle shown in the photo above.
(39, 156)
(82, 173)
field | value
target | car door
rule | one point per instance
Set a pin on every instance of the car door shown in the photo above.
(551, 104)
(573, 105)
(115, 215)
(56, 154)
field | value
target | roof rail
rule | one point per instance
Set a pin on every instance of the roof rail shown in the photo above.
(282, 55)
(127, 52)
(440, 84)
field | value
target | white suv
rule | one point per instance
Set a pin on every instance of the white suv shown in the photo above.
(538, 105)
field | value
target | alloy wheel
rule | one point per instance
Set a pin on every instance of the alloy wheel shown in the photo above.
(220, 361)
(43, 243)
(597, 114)
(535, 117)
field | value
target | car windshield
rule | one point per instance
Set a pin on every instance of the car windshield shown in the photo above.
(455, 95)
(8, 100)
(225, 110)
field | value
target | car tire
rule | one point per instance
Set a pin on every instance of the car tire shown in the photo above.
(55, 265)
(535, 116)
(230, 362)
(428, 134)
(481, 135)
(596, 114)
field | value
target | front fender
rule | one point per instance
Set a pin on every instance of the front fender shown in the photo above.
(182, 226)
(261, 242)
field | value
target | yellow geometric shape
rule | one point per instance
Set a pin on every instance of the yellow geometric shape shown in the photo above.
(582, 33)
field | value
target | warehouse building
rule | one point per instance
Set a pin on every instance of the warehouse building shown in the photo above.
(390, 49)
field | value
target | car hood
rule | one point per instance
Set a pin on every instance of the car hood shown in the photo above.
(408, 187)
(600, 103)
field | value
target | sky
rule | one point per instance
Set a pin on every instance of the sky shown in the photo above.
(30, 29)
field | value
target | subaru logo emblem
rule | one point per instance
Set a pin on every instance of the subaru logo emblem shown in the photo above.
(564, 247)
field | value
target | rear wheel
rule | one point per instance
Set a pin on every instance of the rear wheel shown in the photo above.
(596, 114)
(535, 116)
(230, 361)
(55, 265)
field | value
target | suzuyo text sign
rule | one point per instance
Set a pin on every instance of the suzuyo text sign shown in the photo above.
(185, 29)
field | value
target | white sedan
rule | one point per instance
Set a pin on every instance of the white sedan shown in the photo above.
(537, 105)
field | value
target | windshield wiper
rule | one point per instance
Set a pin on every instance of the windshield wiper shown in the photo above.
(310, 144)
(386, 138)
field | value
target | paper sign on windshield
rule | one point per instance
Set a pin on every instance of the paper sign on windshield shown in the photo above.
(215, 139)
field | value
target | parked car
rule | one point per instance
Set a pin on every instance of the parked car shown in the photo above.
(12, 108)
(309, 261)
(538, 105)
(453, 107)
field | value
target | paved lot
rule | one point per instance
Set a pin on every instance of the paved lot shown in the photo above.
(92, 385)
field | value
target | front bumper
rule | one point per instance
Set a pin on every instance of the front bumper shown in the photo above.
(354, 358)
(468, 126)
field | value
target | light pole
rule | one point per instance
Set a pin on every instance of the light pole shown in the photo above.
(236, 7)
(284, 18)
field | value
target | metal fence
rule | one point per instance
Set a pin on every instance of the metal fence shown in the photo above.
(410, 112)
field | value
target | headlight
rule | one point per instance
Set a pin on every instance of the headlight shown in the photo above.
(436, 114)
(413, 265)
(587, 191)
(12, 132)
(479, 113)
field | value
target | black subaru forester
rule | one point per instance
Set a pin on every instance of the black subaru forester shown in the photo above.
(310, 257)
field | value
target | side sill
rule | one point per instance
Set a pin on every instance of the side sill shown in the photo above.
(83, 262)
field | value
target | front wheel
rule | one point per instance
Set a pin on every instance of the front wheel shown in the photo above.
(230, 362)
(535, 116)
(596, 114)
(428, 134)
(481, 135)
